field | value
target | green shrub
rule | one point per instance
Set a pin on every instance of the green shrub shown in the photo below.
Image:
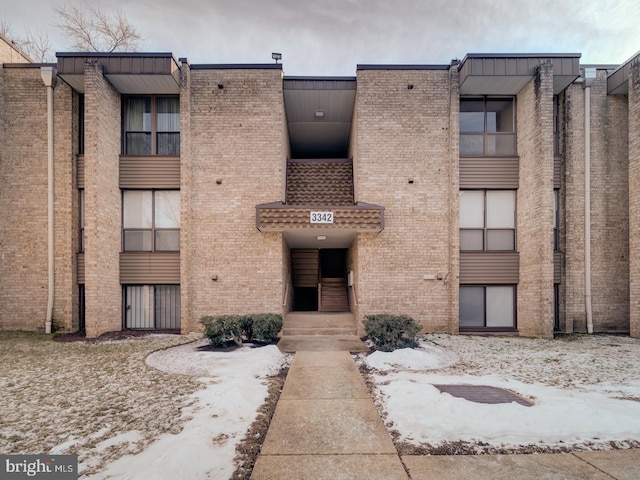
(263, 327)
(266, 326)
(389, 332)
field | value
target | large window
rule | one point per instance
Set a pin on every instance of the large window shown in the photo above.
(487, 220)
(152, 307)
(487, 306)
(151, 220)
(487, 126)
(151, 126)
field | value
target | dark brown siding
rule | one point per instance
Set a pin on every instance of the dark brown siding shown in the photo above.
(557, 174)
(489, 267)
(489, 172)
(150, 268)
(80, 171)
(80, 268)
(557, 267)
(149, 172)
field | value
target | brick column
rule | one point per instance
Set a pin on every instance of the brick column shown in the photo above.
(535, 205)
(103, 293)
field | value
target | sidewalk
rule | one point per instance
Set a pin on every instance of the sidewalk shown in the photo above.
(326, 427)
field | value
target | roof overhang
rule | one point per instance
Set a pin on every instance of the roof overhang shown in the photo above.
(129, 73)
(507, 74)
(319, 113)
(618, 81)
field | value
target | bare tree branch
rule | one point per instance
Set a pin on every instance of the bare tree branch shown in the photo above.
(36, 45)
(5, 28)
(91, 29)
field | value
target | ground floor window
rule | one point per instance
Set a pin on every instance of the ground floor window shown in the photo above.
(556, 307)
(487, 306)
(152, 307)
(81, 308)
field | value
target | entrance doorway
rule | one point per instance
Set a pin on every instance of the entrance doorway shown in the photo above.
(319, 279)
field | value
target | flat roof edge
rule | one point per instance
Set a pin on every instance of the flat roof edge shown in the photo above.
(522, 55)
(28, 65)
(115, 54)
(401, 67)
(236, 66)
(320, 78)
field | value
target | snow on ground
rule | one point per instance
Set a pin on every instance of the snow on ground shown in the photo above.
(235, 387)
(585, 389)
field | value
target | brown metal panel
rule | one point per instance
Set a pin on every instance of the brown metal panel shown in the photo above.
(150, 268)
(80, 171)
(489, 172)
(557, 267)
(557, 171)
(80, 268)
(481, 268)
(149, 172)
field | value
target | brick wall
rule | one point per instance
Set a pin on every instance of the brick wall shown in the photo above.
(609, 209)
(10, 53)
(634, 196)
(404, 156)
(23, 200)
(65, 308)
(103, 293)
(237, 158)
(535, 205)
(573, 281)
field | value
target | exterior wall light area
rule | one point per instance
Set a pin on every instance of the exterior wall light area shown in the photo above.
(319, 114)
(321, 237)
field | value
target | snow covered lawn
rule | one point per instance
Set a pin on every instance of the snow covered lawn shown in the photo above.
(137, 408)
(179, 415)
(585, 390)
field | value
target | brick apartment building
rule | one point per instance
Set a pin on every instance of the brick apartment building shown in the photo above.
(499, 193)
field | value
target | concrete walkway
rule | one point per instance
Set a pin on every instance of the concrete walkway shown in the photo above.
(326, 427)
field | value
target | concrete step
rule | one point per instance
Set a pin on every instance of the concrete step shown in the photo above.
(319, 323)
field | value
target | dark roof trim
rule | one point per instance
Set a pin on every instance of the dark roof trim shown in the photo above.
(321, 79)
(401, 67)
(115, 54)
(237, 66)
(521, 55)
(28, 65)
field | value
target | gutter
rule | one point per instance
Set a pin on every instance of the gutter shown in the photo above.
(48, 75)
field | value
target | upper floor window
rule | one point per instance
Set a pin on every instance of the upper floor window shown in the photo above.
(487, 126)
(151, 220)
(488, 220)
(151, 125)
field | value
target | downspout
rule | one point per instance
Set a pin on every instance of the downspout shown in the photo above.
(48, 75)
(587, 199)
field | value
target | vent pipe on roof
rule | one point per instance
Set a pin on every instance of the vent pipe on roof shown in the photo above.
(589, 75)
(48, 75)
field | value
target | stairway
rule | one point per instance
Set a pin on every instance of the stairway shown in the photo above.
(334, 296)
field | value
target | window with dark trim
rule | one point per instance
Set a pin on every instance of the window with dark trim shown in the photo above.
(487, 126)
(81, 220)
(150, 220)
(487, 306)
(81, 124)
(487, 220)
(151, 125)
(556, 218)
(151, 307)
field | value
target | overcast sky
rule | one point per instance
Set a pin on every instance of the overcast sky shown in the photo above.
(330, 37)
